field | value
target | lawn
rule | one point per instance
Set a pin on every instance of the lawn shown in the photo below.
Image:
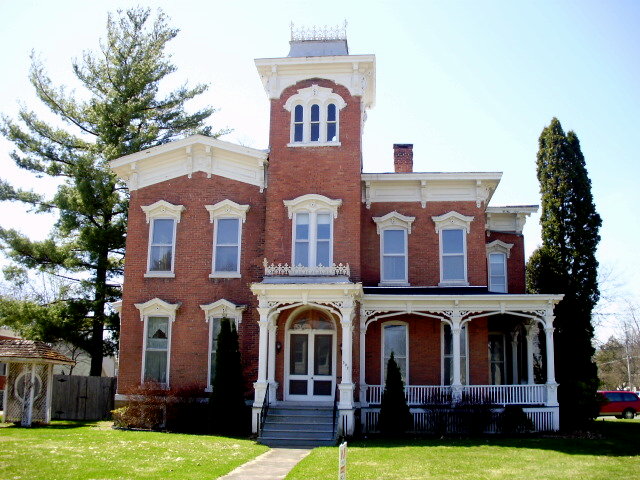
(77, 450)
(614, 453)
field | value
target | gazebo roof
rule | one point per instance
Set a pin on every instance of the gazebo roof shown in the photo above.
(31, 351)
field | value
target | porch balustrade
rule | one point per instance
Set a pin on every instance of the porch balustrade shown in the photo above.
(301, 271)
(441, 394)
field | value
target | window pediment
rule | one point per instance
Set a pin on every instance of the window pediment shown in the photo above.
(312, 203)
(316, 94)
(452, 219)
(498, 246)
(227, 208)
(393, 219)
(223, 309)
(162, 208)
(157, 306)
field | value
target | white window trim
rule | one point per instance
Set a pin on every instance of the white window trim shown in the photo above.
(313, 204)
(314, 95)
(498, 246)
(453, 221)
(219, 309)
(226, 209)
(464, 366)
(161, 210)
(382, 362)
(394, 221)
(505, 272)
(157, 307)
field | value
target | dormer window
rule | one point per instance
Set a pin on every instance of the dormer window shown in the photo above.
(315, 117)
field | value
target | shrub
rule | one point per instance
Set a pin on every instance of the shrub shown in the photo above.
(395, 418)
(514, 420)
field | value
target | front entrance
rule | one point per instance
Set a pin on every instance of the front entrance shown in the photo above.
(310, 358)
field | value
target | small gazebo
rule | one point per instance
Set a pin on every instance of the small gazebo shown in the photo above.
(27, 392)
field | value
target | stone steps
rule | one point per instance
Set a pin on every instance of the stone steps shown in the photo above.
(298, 426)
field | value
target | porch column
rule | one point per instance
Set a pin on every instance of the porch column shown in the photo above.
(260, 386)
(514, 358)
(552, 386)
(346, 386)
(271, 368)
(532, 331)
(363, 385)
(456, 384)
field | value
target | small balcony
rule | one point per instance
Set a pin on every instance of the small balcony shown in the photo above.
(286, 270)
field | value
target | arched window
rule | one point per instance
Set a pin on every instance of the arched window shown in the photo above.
(298, 123)
(315, 117)
(332, 123)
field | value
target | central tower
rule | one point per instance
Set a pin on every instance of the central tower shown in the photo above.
(319, 95)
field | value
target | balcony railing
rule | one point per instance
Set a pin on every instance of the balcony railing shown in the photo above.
(300, 271)
(442, 394)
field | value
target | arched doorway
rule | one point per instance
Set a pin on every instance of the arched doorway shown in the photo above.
(310, 360)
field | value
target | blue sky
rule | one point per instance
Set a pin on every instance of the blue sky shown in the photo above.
(470, 83)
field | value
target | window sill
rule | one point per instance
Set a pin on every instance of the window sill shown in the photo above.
(394, 284)
(454, 283)
(314, 144)
(159, 275)
(225, 275)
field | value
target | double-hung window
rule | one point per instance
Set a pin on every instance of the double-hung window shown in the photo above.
(163, 218)
(227, 218)
(497, 353)
(312, 218)
(158, 317)
(453, 229)
(395, 339)
(315, 113)
(394, 229)
(394, 256)
(497, 254)
(312, 239)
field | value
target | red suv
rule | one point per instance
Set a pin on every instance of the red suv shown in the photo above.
(620, 404)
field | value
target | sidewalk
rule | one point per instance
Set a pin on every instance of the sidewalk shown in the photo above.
(272, 465)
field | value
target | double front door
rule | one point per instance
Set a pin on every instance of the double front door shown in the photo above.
(311, 365)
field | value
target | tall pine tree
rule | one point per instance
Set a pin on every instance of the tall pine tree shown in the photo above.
(566, 263)
(121, 112)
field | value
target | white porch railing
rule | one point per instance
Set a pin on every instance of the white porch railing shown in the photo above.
(505, 394)
(300, 271)
(415, 394)
(441, 394)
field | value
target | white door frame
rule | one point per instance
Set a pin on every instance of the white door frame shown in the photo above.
(311, 334)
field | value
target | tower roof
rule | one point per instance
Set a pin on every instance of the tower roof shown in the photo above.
(318, 41)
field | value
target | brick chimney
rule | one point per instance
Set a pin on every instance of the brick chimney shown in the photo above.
(403, 157)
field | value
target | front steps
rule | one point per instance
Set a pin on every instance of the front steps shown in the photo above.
(298, 426)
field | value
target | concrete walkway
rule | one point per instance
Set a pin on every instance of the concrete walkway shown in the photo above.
(272, 465)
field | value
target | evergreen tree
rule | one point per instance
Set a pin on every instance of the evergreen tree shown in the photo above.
(395, 417)
(121, 112)
(227, 405)
(566, 263)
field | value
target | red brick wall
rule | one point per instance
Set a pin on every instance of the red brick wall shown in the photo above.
(424, 252)
(516, 261)
(330, 171)
(191, 285)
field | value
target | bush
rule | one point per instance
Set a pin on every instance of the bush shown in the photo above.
(515, 421)
(150, 407)
(395, 418)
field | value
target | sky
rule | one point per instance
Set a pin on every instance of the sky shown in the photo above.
(470, 83)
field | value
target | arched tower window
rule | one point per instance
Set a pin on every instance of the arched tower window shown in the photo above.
(315, 117)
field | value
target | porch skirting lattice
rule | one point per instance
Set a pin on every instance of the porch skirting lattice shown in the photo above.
(456, 421)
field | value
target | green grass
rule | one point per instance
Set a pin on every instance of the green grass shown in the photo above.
(614, 453)
(77, 450)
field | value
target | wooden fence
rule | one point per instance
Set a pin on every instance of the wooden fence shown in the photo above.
(82, 398)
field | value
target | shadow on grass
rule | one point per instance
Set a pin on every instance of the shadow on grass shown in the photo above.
(606, 438)
(56, 425)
